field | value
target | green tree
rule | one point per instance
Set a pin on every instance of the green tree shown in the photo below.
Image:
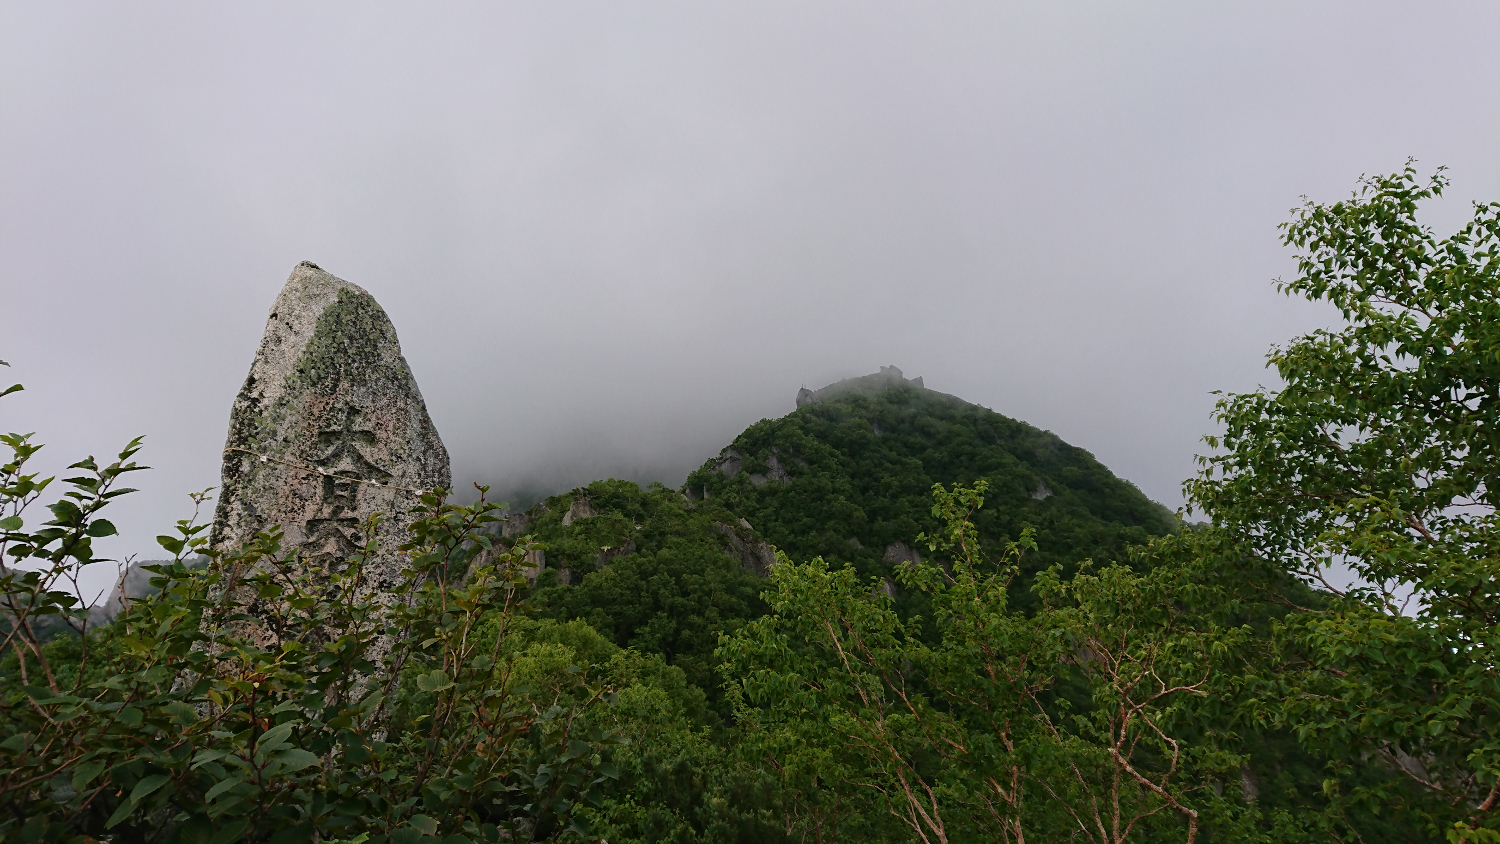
(1077, 721)
(1377, 462)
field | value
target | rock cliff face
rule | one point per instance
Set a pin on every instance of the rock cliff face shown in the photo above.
(328, 429)
(753, 553)
(899, 553)
(581, 508)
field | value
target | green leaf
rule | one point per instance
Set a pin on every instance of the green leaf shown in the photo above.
(146, 786)
(296, 758)
(121, 813)
(86, 772)
(434, 681)
(220, 788)
(196, 830)
(101, 527)
(427, 825)
(230, 832)
(206, 756)
(275, 738)
(406, 835)
(11, 523)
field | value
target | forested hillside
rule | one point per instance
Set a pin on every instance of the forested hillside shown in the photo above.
(849, 478)
(649, 569)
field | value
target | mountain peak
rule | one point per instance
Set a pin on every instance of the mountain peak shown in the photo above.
(888, 376)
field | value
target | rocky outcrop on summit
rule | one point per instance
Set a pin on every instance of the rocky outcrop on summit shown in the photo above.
(888, 376)
(328, 429)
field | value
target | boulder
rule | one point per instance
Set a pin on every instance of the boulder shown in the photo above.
(328, 429)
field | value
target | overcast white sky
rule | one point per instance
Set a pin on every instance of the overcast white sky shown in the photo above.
(611, 235)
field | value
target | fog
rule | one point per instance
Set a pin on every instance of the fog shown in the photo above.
(611, 236)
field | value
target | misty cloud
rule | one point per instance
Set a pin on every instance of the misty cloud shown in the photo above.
(612, 235)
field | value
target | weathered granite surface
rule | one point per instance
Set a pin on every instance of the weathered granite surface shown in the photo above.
(753, 553)
(329, 428)
(899, 552)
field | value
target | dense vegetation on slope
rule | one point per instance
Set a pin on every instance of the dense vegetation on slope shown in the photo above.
(849, 477)
(654, 571)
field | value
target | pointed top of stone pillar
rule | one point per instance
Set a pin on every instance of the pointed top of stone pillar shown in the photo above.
(329, 428)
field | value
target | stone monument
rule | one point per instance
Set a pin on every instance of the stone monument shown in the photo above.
(328, 429)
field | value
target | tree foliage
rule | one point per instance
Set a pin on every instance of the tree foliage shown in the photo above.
(1377, 460)
(654, 572)
(1066, 722)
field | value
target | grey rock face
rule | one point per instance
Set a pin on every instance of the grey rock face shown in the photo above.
(536, 560)
(729, 462)
(581, 508)
(753, 553)
(609, 554)
(778, 472)
(899, 552)
(328, 429)
(1042, 491)
(133, 584)
(515, 524)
